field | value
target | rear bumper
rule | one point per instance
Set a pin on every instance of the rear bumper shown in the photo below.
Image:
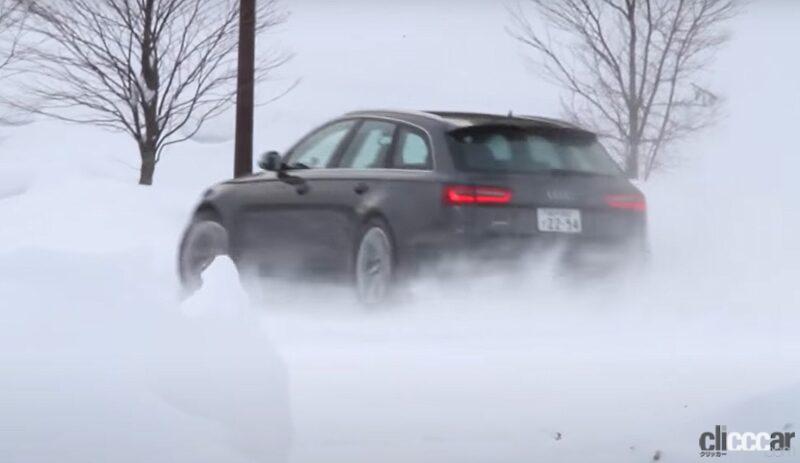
(510, 247)
(486, 241)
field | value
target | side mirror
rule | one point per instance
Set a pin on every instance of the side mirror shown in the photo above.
(272, 161)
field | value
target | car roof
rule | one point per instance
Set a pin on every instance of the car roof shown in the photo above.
(453, 120)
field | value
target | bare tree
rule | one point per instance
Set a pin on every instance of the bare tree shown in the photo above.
(155, 69)
(13, 14)
(12, 19)
(630, 67)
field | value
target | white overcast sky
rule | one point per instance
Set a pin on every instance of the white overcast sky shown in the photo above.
(436, 54)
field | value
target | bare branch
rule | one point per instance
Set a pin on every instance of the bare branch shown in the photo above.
(630, 67)
(155, 69)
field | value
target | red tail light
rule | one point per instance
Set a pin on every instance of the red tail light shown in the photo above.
(630, 202)
(458, 195)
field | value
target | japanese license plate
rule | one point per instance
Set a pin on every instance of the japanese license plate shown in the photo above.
(559, 220)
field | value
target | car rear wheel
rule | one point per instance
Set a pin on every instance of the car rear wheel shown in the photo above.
(374, 263)
(203, 241)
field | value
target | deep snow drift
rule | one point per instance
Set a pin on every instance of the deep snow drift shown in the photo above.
(100, 363)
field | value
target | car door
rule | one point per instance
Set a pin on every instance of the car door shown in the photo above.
(293, 223)
(387, 169)
(413, 194)
(360, 169)
(322, 226)
(329, 202)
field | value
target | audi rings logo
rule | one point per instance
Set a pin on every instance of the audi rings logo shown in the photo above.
(559, 195)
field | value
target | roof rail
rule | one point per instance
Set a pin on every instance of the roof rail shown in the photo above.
(429, 115)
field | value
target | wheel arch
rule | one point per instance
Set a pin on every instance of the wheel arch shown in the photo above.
(202, 241)
(206, 210)
(373, 215)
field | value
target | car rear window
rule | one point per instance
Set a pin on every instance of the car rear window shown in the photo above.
(513, 149)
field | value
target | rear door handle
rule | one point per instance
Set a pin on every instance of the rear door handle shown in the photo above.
(361, 188)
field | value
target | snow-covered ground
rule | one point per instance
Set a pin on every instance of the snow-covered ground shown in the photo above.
(100, 363)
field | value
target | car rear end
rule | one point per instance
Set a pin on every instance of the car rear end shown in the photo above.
(519, 186)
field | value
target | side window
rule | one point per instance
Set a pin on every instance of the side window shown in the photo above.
(412, 151)
(370, 145)
(317, 150)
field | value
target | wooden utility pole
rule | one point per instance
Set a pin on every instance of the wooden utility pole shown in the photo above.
(245, 91)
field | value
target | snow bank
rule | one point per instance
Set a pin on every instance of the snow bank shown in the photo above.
(104, 364)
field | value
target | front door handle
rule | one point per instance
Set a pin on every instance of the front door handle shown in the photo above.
(361, 188)
(301, 188)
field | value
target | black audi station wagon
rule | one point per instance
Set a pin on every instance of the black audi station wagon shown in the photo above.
(373, 195)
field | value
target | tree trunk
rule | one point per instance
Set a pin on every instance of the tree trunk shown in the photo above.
(149, 97)
(632, 160)
(148, 167)
(633, 101)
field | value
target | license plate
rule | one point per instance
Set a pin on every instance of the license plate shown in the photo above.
(559, 220)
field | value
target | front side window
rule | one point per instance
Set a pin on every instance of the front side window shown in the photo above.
(370, 146)
(412, 151)
(510, 149)
(317, 150)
